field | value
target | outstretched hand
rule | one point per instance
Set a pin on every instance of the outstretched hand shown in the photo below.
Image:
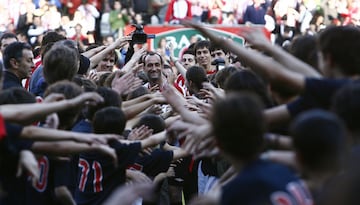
(126, 83)
(90, 98)
(140, 133)
(27, 162)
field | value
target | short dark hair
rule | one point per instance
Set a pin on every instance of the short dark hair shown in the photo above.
(201, 44)
(8, 35)
(140, 91)
(152, 121)
(14, 50)
(214, 47)
(238, 125)
(222, 75)
(304, 48)
(346, 103)
(111, 99)
(69, 90)
(246, 80)
(51, 37)
(342, 43)
(196, 75)
(189, 51)
(111, 120)
(319, 139)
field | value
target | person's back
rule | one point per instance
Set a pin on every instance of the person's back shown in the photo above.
(319, 142)
(339, 62)
(263, 182)
(98, 176)
(238, 126)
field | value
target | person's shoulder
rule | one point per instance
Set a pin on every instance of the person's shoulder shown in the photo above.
(266, 173)
(83, 126)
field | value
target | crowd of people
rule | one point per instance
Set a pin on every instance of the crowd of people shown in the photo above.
(90, 21)
(268, 122)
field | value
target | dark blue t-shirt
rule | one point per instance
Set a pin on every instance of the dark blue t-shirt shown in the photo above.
(11, 146)
(159, 161)
(262, 182)
(318, 94)
(98, 176)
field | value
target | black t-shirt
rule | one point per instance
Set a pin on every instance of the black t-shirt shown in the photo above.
(98, 176)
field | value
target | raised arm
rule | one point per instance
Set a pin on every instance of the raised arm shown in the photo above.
(258, 40)
(133, 110)
(178, 103)
(267, 67)
(277, 116)
(153, 140)
(95, 59)
(29, 113)
(47, 134)
(64, 148)
(179, 67)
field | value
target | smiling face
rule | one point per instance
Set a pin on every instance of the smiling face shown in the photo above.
(203, 57)
(153, 68)
(107, 63)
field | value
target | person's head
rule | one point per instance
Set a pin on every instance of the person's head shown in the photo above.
(304, 48)
(70, 90)
(117, 5)
(195, 76)
(6, 39)
(107, 63)
(202, 54)
(61, 62)
(219, 53)
(109, 120)
(86, 84)
(222, 75)
(346, 105)
(153, 64)
(246, 80)
(238, 125)
(102, 79)
(152, 121)
(140, 91)
(188, 58)
(339, 51)
(50, 37)
(111, 99)
(78, 28)
(19, 59)
(318, 140)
